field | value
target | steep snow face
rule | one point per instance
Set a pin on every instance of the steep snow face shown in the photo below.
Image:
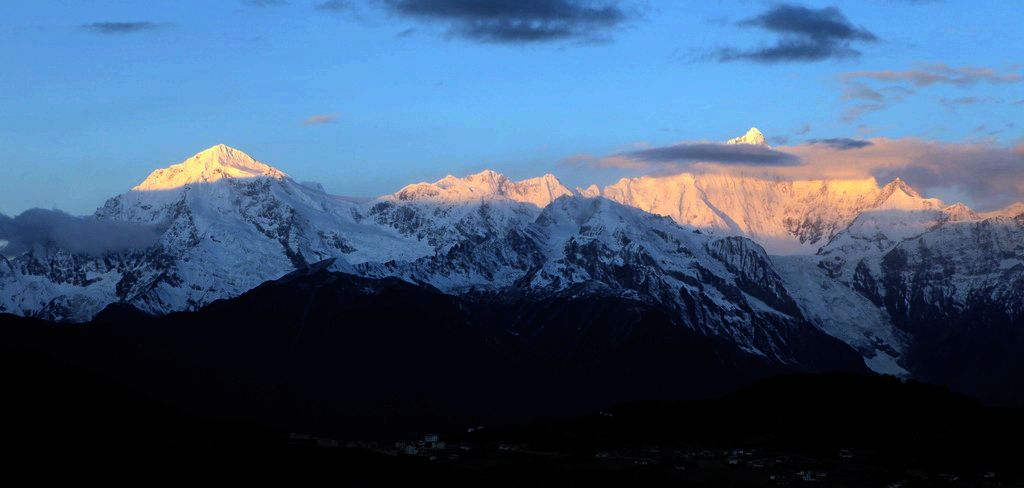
(934, 261)
(753, 137)
(898, 195)
(786, 217)
(902, 263)
(486, 185)
(719, 286)
(898, 214)
(475, 227)
(841, 312)
(58, 285)
(725, 287)
(978, 259)
(875, 233)
(903, 272)
(679, 197)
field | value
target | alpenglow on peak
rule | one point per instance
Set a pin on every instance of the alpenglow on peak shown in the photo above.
(487, 184)
(752, 137)
(213, 164)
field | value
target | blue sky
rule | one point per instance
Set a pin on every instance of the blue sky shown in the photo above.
(86, 113)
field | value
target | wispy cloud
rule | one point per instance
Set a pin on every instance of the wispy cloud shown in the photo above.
(804, 34)
(855, 112)
(518, 21)
(112, 28)
(320, 119)
(873, 91)
(854, 90)
(939, 74)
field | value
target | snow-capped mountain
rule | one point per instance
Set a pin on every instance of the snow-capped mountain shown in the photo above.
(486, 185)
(949, 284)
(719, 286)
(852, 259)
(786, 217)
(753, 136)
(230, 223)
(488, 235)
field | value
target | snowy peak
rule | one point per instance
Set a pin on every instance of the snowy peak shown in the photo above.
(214, 164)
(487, 185)
(591, 191)
(538, 191)
(898, 195)
(752, 137)
(958, 212)
(900, 185)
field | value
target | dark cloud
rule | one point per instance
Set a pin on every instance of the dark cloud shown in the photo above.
(729, 154)
(805, 34)
(120, 27)
(37, 228)
(841, 143)
(821, 24)
(518, 21)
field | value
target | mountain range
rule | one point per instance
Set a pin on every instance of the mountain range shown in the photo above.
(783, 272)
